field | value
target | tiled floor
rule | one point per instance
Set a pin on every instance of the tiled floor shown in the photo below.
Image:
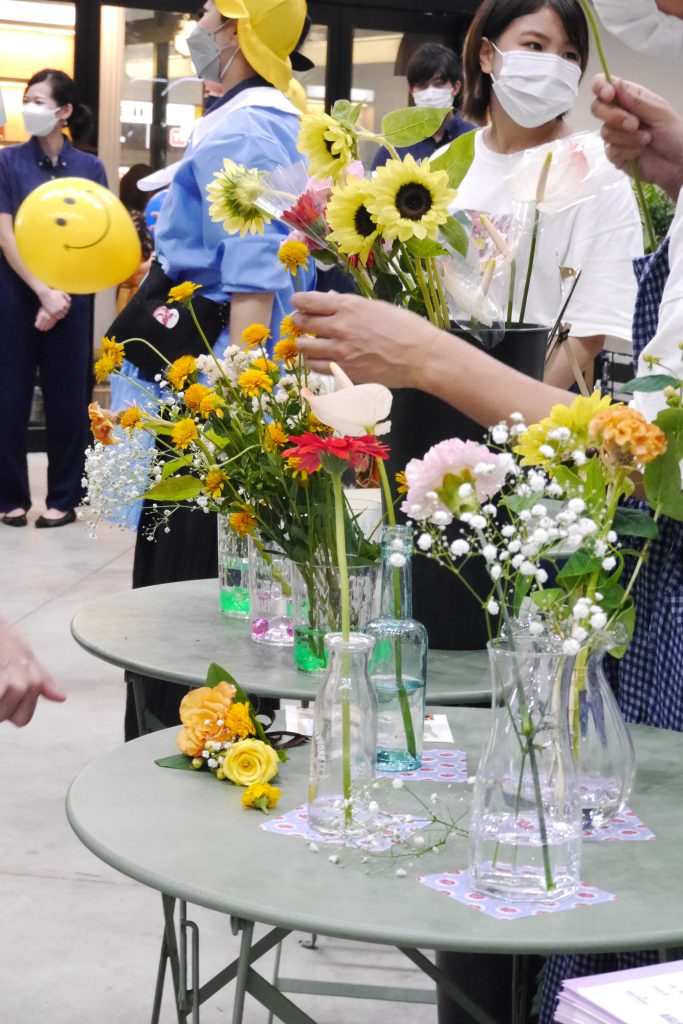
(79, 942)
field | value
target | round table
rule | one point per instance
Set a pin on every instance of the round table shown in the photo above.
(151, 824)
(175, 631)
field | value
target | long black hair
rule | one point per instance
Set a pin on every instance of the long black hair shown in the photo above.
(64, 92)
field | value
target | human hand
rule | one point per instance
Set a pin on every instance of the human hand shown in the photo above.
(43, 321)
(639, 125)
(55, 303)
(371, 341)
(22, 679)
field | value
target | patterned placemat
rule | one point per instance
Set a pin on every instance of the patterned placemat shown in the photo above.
(437, 766)
(295, 823)
(626, 826)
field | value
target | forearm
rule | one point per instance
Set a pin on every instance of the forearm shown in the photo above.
(249, 308)
(11, 253)
(560, 372)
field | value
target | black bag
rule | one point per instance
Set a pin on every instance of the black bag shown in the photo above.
(169, 327)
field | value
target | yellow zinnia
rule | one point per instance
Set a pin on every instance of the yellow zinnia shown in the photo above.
(286, 350)
(276, 437)
(194, 395)
(353, 229)
(182, 292)
(565, 430)
(242, 522)
(254, 381)
(103, 367)
(235, 191)
(265, 364)
(131, 418)
(238, 720)
(288, 328)
(292, 255)
(180, 370)
(214, 483)
(262, 796)
(184, 432)
(255, 335)
(211, 403)
(409, 200)
(329, 146)
(114, 349)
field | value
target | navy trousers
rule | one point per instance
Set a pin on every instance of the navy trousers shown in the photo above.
(63, 357)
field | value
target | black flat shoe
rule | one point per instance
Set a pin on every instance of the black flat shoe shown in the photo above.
(42, 523)
(15, 520)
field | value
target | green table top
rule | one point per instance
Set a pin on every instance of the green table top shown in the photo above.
(185, 834)
(174, 631)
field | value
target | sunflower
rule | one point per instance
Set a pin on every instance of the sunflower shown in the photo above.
(292, 255)
(329, 146)
(254, 381)
(255, 335)
(353, 229)
(409, 200)
(182, 292)
(234, 193)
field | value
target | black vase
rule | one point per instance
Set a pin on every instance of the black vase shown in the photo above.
(454, 619)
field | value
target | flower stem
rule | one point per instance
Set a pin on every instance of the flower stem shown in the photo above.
(530, 267)
(345, 629)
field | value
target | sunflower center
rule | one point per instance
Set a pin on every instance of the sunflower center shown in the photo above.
(363, 222)
(413, 200)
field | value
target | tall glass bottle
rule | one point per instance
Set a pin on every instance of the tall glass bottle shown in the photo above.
(398, 666)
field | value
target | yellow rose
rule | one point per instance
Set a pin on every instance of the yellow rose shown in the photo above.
(203, 712)
(250, 761)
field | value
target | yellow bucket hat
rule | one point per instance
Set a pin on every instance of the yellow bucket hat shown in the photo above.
(268, 31)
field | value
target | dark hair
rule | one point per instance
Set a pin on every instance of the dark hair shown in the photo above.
(490, 21)
(129, 193)
(432, 59)
(64, 92)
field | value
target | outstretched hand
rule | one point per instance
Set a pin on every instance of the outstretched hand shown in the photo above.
(22, 679)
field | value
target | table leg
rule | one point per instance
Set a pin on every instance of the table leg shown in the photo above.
(667, 956)
(147, 722)
(455, 993)
(247, 928)
(169, 954)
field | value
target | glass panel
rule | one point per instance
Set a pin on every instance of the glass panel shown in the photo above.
(33, 35)
(313, 81)
(374, 82)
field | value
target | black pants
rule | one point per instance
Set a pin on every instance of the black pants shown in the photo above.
(487, 980)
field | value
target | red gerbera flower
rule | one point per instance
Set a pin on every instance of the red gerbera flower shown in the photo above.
(333, 453)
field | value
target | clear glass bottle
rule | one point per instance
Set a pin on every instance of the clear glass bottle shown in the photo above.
(270, 595)
(233, 571)
(525, 826)
(344, 745)
(398, 666)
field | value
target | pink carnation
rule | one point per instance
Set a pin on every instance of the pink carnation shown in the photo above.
(472, 462)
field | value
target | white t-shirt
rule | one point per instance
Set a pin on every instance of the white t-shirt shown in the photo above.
(600, 235)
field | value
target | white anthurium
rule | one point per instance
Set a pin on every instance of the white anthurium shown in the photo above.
(577, 169)
(467, 296)
(354, 409)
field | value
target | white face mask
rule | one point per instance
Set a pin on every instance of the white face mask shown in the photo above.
(642, 26)
(39, 119)
(533, 88)
(434, 96)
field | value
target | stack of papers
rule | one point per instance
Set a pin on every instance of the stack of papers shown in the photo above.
(645, 995)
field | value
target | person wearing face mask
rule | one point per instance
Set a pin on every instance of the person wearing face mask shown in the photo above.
(434, 76)
(50, 330)
(245, 45)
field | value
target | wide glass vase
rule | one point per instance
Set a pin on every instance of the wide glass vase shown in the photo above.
(270, 595)
(398, 666)
(525, 828)
(233, 571)
(344, 744)
(316, 608)
(601, 745)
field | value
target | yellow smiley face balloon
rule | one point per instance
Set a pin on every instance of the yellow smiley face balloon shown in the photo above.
(76, 236)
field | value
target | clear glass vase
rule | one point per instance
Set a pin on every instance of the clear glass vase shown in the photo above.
(525, 829)
(316, 608)
(344, 745)
(602, 747)
(398, 666)
(270, 595)
(233, 571)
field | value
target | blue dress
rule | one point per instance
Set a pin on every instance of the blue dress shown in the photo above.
(62, 355)
(649, 678)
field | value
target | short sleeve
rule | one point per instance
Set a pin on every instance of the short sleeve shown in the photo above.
(605, 236)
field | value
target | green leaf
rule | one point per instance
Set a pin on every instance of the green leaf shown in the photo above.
(662, 477)
(612, 595)
(656, 382)
(174, 465)
(180, 761)
(389, 288)
(517, 503)
(341, 110)
(457, 159)
(627, 619)
(545, 599)
(424, 248)
(355, 113)
(455, 235)
(634, 522)
(177, 488)
(412, 124)
(522, 588)
(579, 564)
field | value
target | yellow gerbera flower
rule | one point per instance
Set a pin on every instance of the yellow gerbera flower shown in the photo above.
(276, 437)
(182, 292)
(103, 367)
(131, 418)
(235, 191)
(292, 255)
(114, 349)
(180, 370)
(214, 483)
(409, 200)
(401, 482)
(254, 381)
(265, 364)
(242, 522)
(353, 229)
(286, 351)
(556, 437)
(255, 335)
(194, 395)
(184, 432)
(261, 795)
(238, 720)
(329, 146)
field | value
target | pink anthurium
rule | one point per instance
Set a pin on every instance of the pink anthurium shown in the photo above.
(354, 409)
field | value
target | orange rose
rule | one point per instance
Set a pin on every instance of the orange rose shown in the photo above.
(202, 713)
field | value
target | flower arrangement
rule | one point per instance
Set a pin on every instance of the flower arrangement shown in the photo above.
(221, 733)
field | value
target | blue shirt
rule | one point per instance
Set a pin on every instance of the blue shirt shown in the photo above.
(191, 246)
(23, 168)
(454, 127)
